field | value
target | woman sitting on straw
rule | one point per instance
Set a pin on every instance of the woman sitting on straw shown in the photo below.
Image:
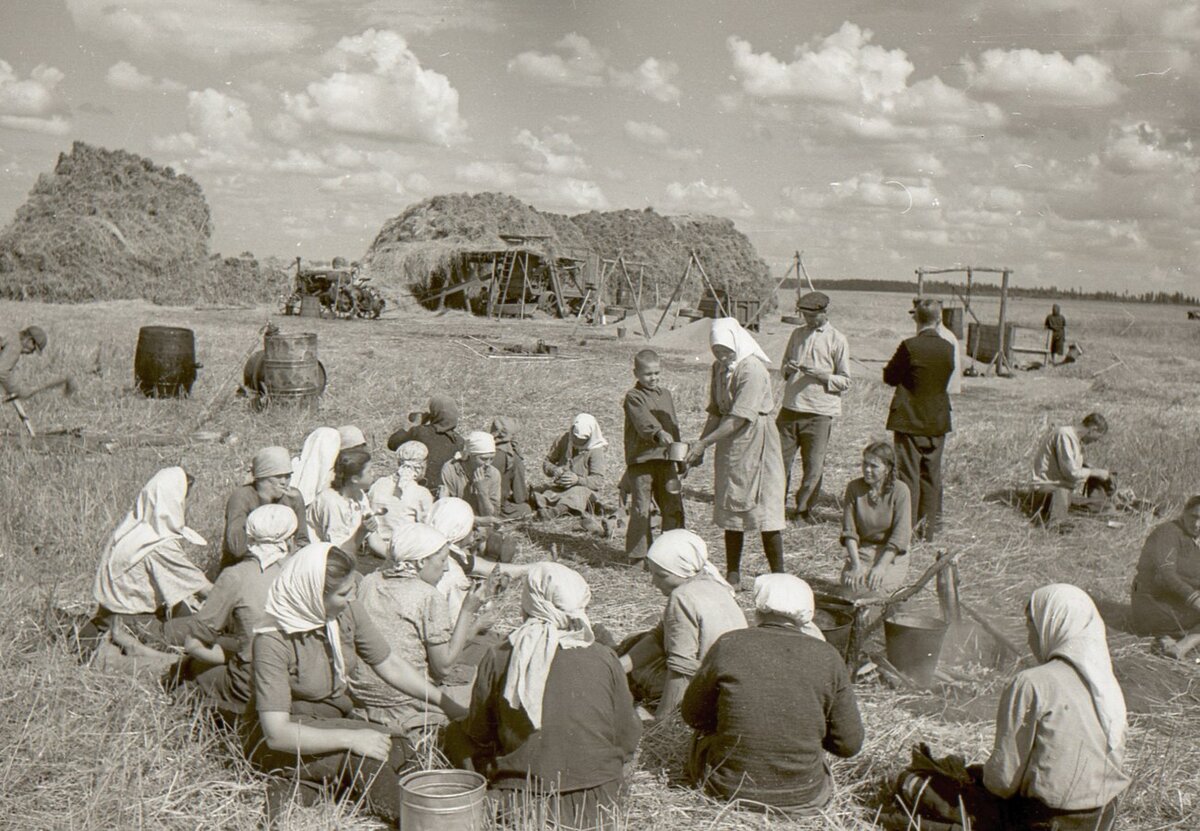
(312, 638)
(700, 608)
(270, 473)
(1166, 591)
(551, 714)
(514, 490)
(341, 514)
(236, 603)
(144, 581)
(876, 513)
(1060, 736)
(750, 683)
(437, 429)
(471, 477)
(400, 498)
(312, 470)
(404, 603)
(575, 467)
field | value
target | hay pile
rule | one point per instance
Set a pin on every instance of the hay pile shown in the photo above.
(108, 225)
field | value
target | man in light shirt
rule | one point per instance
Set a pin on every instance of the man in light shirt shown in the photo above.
(816, 373)
(1059, 468)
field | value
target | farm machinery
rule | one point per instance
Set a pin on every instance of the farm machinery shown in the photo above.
(338, 291)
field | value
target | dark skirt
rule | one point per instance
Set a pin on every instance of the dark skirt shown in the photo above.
(1154, 615)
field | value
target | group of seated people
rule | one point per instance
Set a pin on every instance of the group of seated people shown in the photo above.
(332, 662)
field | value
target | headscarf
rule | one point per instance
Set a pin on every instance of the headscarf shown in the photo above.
(157, 516)
(442, 413)
(681, 552)
(411, 458)
(350, 436)
(268, 529)
(454, 517)
(1069, 627)
(787, 595)
(270, 461)
(296, 602)
(554, 601)
(478, 443)
(502, 429)
(411, 543)
(312, 471)
(586, 427)
(727, 332)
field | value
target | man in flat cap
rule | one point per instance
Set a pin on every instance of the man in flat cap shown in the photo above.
(816, 373)
(12, 346)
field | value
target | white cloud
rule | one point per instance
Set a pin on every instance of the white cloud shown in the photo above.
(554, 153)
(220, 134)
(563, 193)
(582, 65)
(1047, 79)
(492, 175)
(701, 197)
(1141, 148)
(872, 190)
(126, 76)
(379, 89)
(427, 16)
(652, 77)
(646, 133)
(195, 29)
(32, 104)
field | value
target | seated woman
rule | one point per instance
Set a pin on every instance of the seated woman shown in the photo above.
(514, 490)
(575, 467)
(1060, 736)
(341, 514)
(437, 429)
(312, 470)
(471, 477)
(144, 581)
(414, 618)
(700, 608)
(876, 513)
(236, 603)
(550, 710)
(400, 498)
(351, 437)
(311, 641)
(1166, 590)
(781, 672)
(268, 485)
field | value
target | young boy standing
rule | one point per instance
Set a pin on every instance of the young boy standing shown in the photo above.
(650, 426)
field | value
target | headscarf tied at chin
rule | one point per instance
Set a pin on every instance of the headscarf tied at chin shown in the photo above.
(787, 595)
(585, 428)
(1070, 628)
(681, 552)
(727, 332)
(411, 543)
(268, 529)
(554, 601)
(411, 458)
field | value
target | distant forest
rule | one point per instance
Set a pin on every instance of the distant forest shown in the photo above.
(1177, 298)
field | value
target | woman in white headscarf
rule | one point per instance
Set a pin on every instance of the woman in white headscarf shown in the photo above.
(309, 644)
(749, 481)
(144, 578)
(1057, 762)
(752, 681)
(550, 709)
(312, 470)
(575, 468)
(470, 476)
(403, 600)
(236, 604)
(700, 608)
(400, 498)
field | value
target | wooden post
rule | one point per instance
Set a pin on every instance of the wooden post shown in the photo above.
(967, 304)
(674, 296)
(629, 282)
(1003, 357)
(920, 283)
(717, 297)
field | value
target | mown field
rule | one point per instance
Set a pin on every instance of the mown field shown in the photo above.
(81, 748)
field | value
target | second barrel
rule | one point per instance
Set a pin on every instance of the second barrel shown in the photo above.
(290, 369)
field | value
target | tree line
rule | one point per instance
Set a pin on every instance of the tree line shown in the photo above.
(1175, 298)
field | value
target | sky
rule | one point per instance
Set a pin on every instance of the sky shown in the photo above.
(1052, 137)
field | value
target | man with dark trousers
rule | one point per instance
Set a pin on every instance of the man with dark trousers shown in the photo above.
(919, 417)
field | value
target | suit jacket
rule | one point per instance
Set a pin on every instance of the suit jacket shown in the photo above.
(919, 371)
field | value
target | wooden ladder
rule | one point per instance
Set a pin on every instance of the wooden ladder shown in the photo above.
(507, 265)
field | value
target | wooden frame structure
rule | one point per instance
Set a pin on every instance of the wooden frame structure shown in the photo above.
(1000, 361)
(692, 260)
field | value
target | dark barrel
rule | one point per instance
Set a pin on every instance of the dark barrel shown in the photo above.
(165, 362)
(952, 319)
(290, 369)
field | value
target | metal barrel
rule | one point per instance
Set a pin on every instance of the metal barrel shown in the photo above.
(290, 369)
(914, 644)
(310, 305)
(443, 800)
(164, 364)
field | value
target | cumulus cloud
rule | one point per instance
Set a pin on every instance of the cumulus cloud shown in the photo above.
(174, 27)
(379, 89)
(1140, 148)
(1048, 79)
(579, 64)
(652, 77)
(646, 133)
(553, 152)
(873, 190)
(126, 76)
(32, 104)
(701, 197)
(427, 16)
(490, 175)
(220, 135)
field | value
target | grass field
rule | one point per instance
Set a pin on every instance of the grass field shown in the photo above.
(81, 748)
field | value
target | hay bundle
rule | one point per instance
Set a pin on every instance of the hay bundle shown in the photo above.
(104, 225)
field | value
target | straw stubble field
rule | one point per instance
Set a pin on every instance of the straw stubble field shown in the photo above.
(82, 748)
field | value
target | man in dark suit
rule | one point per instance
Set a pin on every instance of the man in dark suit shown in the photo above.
(919, 417)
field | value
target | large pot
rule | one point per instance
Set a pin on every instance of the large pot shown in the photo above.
(164, 364)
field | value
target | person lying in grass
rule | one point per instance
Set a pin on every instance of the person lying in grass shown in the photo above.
(235, 604)
(300, 729)
(403, 601)
(341, 514)
(146, 588)
(1166, 590)
(575, 468)
(781, 672)
(700, 608)
(551, 714)
(1057, 762)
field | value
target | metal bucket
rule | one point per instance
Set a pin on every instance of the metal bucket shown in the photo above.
(677, 451)
(310, 305)
(835, 622)
(622, 332)
(164, 364)
(914, 644)
(290, 369)
(443, 800)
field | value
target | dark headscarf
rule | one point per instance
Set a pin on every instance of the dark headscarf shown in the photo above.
(442, 414)
(502, 430)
